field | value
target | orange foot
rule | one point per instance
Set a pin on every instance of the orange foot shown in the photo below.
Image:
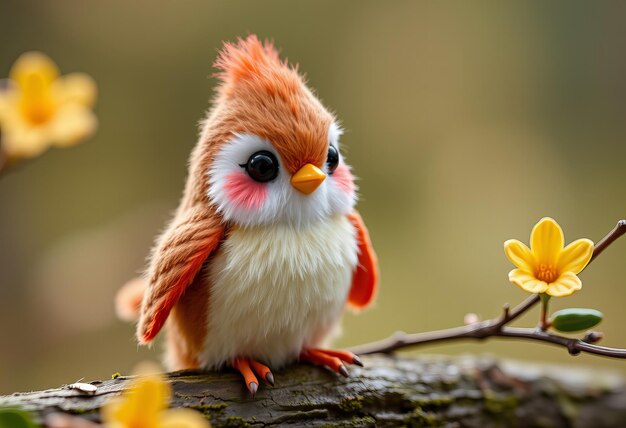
(334, 360)
(248, 367)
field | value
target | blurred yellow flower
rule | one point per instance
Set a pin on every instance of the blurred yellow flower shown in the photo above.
(39, 108)
(547, 267)
(145, 404)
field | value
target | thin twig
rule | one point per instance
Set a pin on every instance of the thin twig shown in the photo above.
(574, 346)
(520, 309)
(618, 230)
(497, 327)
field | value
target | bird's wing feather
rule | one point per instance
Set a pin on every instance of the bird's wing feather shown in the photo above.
(180, 253)
(365, 277)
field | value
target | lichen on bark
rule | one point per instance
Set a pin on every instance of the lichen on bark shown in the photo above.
(388, 391)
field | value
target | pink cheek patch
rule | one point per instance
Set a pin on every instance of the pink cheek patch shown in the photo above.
(344, 179)
(245, 192)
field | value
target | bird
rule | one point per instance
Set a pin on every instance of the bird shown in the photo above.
(266, 249)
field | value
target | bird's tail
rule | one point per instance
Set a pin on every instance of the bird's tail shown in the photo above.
(128, 299)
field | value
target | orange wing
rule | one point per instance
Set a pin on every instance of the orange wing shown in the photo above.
(180, 253)
(365, 278)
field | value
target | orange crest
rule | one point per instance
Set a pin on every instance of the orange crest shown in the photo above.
(258, 64)
(269, 98)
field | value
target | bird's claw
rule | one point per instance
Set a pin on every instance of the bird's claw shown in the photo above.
(334, 360)
(248, 367)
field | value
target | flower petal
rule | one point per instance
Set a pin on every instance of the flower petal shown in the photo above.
(546, 241)
(527, 281)
(112, 411)
(575, 256)
(8, 96)
(565, 285)
(76, 88)
(141, 405)
(519, 254)
(33, 65)
(72, 124)
(22, 141)
(150, 394)
(183, 418)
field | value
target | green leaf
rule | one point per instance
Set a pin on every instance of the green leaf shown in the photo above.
(15, 418)
(576, 319)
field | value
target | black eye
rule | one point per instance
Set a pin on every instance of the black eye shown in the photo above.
(262, 166)
(333, 159)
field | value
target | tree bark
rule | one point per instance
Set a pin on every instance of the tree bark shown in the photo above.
(389, 391)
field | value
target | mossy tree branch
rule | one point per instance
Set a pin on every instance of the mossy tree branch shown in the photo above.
(389, 391)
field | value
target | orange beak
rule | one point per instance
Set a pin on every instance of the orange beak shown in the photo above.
(308, 178)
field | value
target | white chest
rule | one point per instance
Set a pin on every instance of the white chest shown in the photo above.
(276, 289)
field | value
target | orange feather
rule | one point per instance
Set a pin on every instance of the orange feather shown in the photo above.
(365, 278)
(181, 252)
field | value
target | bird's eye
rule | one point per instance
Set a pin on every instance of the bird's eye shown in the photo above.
(262, 166)
(333, 159)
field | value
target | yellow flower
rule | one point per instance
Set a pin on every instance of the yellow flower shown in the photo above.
(39, 108)
(145, 404)
(547, 267)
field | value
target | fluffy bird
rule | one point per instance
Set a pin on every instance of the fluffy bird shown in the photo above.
(265, 250)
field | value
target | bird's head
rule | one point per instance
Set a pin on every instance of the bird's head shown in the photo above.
(269, 151)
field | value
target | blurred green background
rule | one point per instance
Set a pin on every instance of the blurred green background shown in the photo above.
(467, 122)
